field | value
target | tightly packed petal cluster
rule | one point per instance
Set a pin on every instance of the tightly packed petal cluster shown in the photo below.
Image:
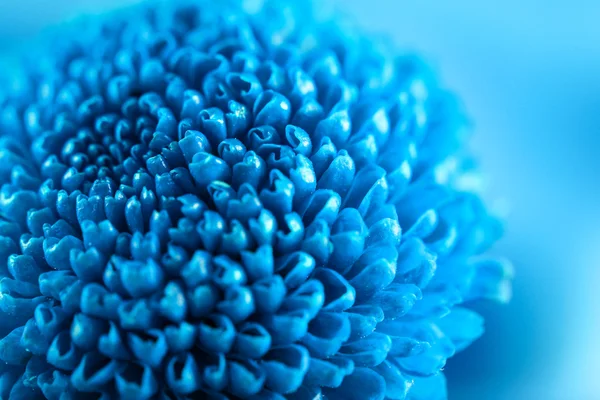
(203, 202)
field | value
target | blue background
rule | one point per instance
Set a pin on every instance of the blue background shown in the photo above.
(528, 72)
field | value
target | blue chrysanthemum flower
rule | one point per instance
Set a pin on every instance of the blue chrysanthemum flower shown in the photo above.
(206, 202)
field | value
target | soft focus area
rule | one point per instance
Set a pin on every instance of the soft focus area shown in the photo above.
(527, 73)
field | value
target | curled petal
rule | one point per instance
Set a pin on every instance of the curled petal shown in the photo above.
(287, 328)
(258, 264)
(86, 330)
(87, 265)
(374, 271)
(93, 372)
(252, 340)
(216, 334)
(295, 268)
(33, 340)
(53, 384)
(291, 233)
(396, 300)
(136, 381)
(57, 251)
(364, 320)
(202, 300)
(310, 297)
(215, 372)
(271, 108)
(173, 305)
(369, 351)
(328, 372)
(11, 350)
(263, 228)
(62, 352)
(149, 347)
(285, 368)
(53, 282)
(326, 334)
(112, 344)
(269, 293)
(238, 303)
(182, 374)
(50, 320)
(181, 337)
(246, 378)
(23, 267)
(339, 294)
(137, 314)
(140, 279)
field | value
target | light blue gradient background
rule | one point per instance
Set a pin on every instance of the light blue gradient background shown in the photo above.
(529, 74)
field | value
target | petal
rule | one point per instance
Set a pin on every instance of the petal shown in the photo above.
(362, 384)
(285, 368)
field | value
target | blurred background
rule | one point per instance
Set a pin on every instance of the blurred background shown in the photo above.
(528, 72)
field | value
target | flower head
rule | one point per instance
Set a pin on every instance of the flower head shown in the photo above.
(199, 201)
